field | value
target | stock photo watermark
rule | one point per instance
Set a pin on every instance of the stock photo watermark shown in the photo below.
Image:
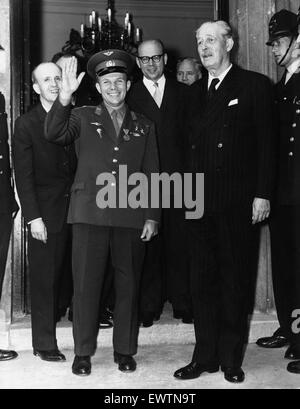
(164, 190)
(296, 322)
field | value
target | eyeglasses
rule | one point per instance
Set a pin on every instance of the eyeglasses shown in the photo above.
(155, 58)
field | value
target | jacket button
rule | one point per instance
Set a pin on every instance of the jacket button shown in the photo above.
(1, 172)
(291, 154)
(116, 148)
(294, 125)
(1, 156)
(193, 146)
(292, 139)
(115, 160)
(298, 111)
(220, 145)
(113, 184)
(113, 172)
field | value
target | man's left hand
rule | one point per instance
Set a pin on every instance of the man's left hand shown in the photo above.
(260, 210)
(150, 230)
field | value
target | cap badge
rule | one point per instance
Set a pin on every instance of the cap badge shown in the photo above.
(110, 63)
(108, 53)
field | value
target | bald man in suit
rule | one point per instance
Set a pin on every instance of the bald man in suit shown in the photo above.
(163, 101)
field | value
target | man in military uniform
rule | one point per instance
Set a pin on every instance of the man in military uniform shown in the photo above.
(285, 220)
(8, 206)
(107, 136)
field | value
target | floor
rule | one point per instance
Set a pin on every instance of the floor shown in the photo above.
(163, 348)
(156, 364)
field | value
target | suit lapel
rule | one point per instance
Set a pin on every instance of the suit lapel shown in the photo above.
(106, 122)
(169, 95)
(145, 100)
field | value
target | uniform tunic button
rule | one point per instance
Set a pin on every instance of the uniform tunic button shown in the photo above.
(113, 184)
(193, 146)
(220, 145)
(1, 156)
(294, 125)
(285, 98)
(116, 148)
(298, 111)
(115, 161)
(114, 172)
(291, 154)
(292, 139)
(1, 172)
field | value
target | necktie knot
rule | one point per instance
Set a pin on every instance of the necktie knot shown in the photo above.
(212, 88)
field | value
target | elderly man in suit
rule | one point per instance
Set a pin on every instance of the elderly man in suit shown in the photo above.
(8, 206)
(231, 143)
(108, 138)
(188, 70)
(44, 174)
(285, 220)
(162, 99)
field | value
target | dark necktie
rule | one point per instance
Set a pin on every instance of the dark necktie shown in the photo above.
(114, 117)
(212, 88)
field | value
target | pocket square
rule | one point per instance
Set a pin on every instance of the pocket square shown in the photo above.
(233, 102)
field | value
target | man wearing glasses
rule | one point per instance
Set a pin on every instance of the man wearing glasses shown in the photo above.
(161, 99)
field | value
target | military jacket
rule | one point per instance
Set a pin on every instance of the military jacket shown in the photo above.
(101, 155)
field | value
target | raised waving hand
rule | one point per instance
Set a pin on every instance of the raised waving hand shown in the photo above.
(69, 80)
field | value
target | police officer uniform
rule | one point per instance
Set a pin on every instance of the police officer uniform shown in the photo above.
(98, 232)
(285, 217)
(8, 204)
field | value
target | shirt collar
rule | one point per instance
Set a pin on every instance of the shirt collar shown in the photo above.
(149, 84)
(220, 77)
(121, 110)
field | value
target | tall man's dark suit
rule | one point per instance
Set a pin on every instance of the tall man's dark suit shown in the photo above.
(100, 231)
(231, 143)
(8, 204)
(165, 255)
(44, 175)
(285, 220)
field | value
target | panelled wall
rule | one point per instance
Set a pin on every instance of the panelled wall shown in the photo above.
(173, 21)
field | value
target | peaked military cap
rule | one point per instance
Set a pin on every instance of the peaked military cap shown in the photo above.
(107, 61)
(282, 24)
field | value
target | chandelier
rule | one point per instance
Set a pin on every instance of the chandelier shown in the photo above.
(100, 33)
